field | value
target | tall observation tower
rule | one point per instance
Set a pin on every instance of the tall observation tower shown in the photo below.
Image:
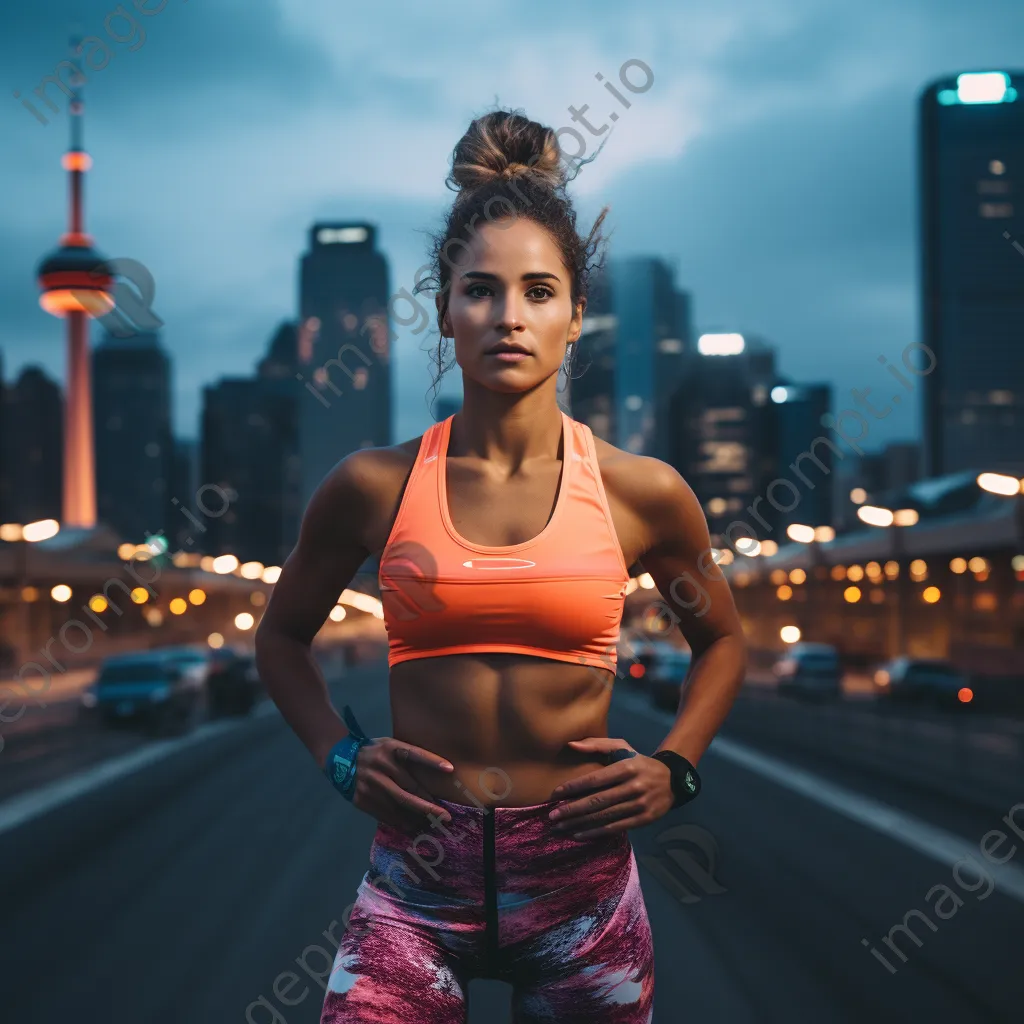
(76, 285)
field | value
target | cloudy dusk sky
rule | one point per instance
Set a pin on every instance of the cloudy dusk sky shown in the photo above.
(772, 162)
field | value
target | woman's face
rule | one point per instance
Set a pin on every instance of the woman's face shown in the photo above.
(509, 286)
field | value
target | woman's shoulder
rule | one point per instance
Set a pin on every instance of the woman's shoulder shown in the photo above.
(361, 493)
(374, 473)
(641, 482)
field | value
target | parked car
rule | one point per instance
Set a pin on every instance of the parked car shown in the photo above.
(153, 687)
(666, 676)
(194, 659)
(922, 681)
(810, 671)
(233, 682)
(631, 654)
(638, 657)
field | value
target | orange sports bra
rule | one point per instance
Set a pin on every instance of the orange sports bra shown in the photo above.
(559, 595)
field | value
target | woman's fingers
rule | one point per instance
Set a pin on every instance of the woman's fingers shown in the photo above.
(612, 812)
(405, 752)
(416, 806)
(620, 784)
(599, 744)
(411, 785)
(600, 778)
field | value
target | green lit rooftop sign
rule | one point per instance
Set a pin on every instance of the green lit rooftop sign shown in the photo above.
(979, 87)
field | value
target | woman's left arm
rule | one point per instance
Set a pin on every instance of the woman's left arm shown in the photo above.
(677, 553)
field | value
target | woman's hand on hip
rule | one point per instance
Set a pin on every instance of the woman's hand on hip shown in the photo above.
(386, 790)
(625, 794)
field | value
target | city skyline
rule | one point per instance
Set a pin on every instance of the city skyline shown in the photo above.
(718, 169)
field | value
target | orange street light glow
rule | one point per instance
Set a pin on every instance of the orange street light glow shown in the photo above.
(874, 516)
(799, 533)
(999, 483)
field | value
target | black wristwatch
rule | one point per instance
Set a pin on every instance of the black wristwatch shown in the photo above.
(685, 780)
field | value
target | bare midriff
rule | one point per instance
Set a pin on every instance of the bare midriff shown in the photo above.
(503, 721)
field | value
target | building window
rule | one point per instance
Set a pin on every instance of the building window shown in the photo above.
(992, 211)
(723, 457)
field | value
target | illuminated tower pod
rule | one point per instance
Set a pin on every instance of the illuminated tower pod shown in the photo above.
(76, 285)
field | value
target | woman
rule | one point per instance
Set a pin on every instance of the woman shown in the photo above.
(505, 534)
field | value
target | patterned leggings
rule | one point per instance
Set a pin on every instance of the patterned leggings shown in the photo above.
(495, 894)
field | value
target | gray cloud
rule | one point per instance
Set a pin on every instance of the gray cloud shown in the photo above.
(235, 124)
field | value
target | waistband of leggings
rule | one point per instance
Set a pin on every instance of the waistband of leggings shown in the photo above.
(502, 815)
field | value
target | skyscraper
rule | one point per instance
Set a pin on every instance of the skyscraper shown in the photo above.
(798, 411)
(343, 348)
(651, 338)
(33, 454)
(250, 449)
(972, 272)
(132, 426)
(249, 445)
(722, 429)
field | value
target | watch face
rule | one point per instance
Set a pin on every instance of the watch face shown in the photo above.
(691, 784)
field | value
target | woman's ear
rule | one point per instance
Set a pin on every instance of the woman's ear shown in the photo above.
(446, 327)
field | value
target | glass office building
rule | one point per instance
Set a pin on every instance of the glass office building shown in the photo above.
(343, 348)
(972, 273)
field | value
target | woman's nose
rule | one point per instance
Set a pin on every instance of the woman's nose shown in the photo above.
(511, 315)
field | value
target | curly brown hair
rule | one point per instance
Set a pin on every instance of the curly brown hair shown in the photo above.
(508, 162)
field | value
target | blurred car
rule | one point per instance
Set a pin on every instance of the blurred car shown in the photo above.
(666, 676)
(641, 655)
(810, 672)
(232, 681)
(160, 690)
(193, 659)
(922, 681)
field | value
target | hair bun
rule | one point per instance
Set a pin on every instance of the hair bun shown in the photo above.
(505, 144)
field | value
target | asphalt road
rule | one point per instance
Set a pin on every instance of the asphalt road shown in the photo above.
(194, 879)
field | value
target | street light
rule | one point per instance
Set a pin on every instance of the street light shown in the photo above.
(874, 515)
(22, 536)
(814, 537)
(800, 533)
(1000, 483)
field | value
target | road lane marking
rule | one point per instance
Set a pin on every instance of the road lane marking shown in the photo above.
(18, 810)
(930, 840)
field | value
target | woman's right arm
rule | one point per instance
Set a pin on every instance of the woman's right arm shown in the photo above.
(332, 545)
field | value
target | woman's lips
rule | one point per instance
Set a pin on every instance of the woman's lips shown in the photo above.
(508, 356)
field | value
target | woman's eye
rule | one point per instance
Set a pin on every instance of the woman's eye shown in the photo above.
(539, 292)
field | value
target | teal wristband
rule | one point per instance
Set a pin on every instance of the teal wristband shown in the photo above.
(341, 764)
